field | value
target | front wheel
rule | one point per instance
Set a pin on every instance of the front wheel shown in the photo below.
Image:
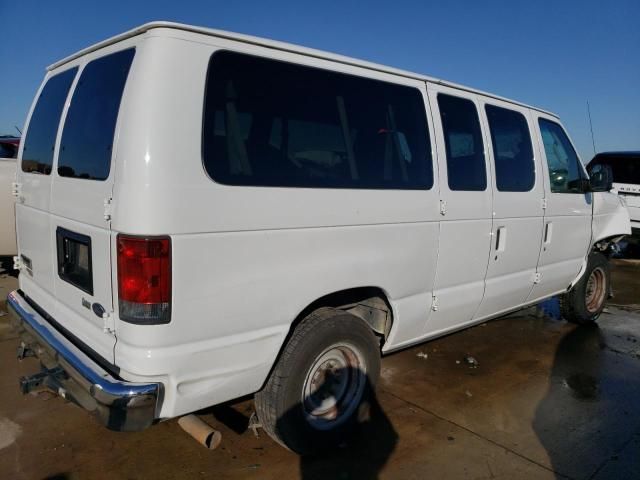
(320, 382)
(585, 301)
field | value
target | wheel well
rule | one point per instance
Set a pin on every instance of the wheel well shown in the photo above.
(368, 303)
(607, 245)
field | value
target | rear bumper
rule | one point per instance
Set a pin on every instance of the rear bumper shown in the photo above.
(119, 405)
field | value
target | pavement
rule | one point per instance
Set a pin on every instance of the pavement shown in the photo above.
(544, 400)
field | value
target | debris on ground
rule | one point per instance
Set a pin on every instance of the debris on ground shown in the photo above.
(472, 362)
(2, 314)
(422, 355)
(254, 424)
(468, 394)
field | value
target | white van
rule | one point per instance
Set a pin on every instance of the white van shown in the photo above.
(625, 170)
(204, 215)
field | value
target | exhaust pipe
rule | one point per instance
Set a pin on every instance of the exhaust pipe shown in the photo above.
(201, 431)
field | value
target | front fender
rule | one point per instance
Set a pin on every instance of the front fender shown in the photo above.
(610, 222)
(610, 217)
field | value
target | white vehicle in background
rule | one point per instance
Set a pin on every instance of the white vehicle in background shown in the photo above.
(625, 168)
(318, 212)
(8, 247)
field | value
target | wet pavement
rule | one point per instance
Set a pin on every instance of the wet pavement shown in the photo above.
(539, 398)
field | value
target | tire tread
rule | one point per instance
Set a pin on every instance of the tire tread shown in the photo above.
(572, 303)
(267, 400)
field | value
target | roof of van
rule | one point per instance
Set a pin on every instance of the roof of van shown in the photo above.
(283, 46)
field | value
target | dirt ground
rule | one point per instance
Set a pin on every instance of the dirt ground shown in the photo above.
(546, 400)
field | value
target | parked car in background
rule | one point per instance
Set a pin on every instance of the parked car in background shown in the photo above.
(9, 146)
(625, 167)
(318, 211)
(8, 153)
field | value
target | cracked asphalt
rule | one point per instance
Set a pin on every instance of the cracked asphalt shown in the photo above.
(545, 400)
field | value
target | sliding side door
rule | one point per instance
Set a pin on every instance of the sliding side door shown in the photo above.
(465, 208)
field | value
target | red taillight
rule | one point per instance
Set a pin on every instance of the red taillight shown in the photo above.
(144, 279)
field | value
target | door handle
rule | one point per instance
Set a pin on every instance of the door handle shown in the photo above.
(501, 239)
(548, 231)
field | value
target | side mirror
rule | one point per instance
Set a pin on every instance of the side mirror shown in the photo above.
(601, 178)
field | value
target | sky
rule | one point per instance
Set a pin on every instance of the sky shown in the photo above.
(554, 54)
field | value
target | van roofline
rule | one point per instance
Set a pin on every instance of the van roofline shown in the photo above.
(283, 46)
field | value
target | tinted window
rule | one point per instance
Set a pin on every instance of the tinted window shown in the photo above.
(625, 168)
(565, 173)
(8, 150)
(87, 138)
(270, 123)
(512, 150)
(463, 142)
(37, 155)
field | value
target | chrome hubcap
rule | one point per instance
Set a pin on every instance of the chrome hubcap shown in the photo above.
(333, 387)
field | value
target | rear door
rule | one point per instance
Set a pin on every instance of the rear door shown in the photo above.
(65, 181)
(34, 180)
(81, 195)
(517, 208)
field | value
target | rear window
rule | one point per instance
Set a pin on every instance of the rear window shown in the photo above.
(626, 168)
(40, 139)
(271, 123)
(87, 138)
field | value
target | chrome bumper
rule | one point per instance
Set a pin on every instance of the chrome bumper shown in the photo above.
(119, 405)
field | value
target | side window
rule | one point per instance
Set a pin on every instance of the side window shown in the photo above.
(87, 138)
(40, 139)
(512, 150)
(271, 123)
(466, 168)
(565, 173)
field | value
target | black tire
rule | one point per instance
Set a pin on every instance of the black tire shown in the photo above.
(584, 303)
(282, 406)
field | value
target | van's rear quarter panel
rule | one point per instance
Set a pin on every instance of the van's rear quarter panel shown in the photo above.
(235, 295)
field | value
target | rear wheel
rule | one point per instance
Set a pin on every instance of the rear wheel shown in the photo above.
(321, 381)
(585, 301)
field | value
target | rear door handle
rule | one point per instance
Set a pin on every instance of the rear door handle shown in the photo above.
(501, 239)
